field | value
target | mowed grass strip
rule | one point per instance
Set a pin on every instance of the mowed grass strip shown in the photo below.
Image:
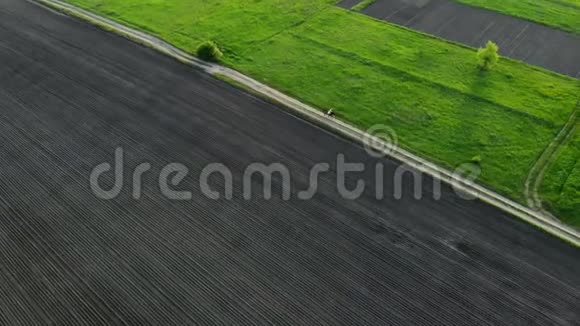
(562, 14)
(363, 4)
(561, 187)
(430, 91)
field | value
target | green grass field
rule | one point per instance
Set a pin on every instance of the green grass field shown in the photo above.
(561, 187)
(562, 14)
(371, 72)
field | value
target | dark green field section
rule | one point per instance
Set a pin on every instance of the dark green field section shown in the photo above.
(70, 94)
(531, 42)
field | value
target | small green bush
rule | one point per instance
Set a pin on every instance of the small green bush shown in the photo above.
(209, 51)
(476, 159)
(488, 57)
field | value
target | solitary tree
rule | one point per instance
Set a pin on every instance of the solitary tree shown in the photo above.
(488, 57)
(209, 51)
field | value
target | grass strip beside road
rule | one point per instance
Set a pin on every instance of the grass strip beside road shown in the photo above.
(561, 14)
(363, 4)
(371, 72)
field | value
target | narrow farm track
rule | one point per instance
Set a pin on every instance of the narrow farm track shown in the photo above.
(537, 172)
(70, 94)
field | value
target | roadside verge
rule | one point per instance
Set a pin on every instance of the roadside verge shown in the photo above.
(316, 116)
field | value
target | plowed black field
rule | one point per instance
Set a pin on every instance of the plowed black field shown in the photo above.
(70, 94)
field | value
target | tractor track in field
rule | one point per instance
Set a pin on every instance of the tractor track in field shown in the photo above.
(537, 172)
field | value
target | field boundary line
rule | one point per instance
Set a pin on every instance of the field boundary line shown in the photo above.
(317, 117)
(538, 170)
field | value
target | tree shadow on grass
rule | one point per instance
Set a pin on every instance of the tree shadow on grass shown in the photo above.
(471, 112)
